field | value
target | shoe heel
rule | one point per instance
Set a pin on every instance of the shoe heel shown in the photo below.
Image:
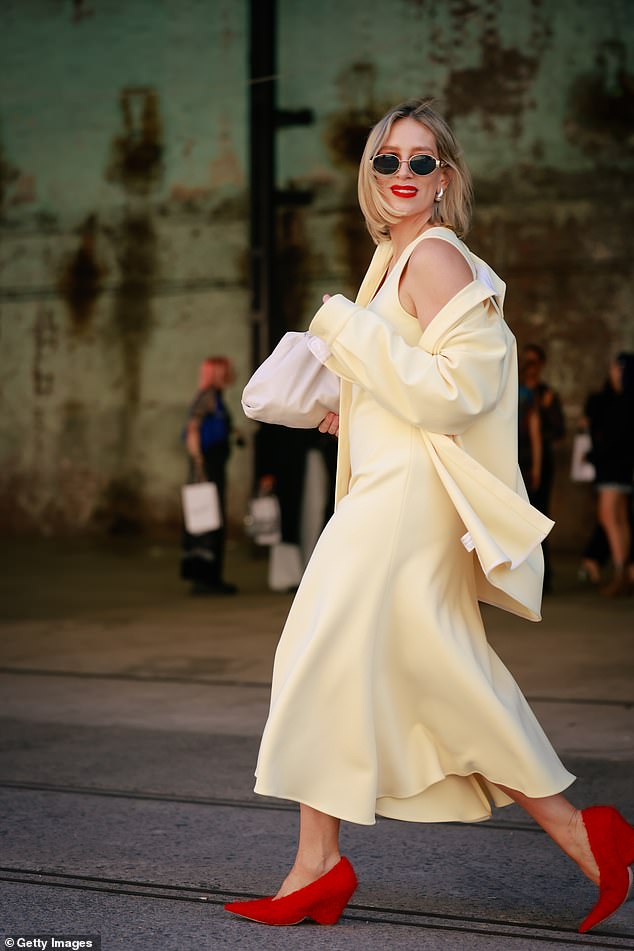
(329, 912)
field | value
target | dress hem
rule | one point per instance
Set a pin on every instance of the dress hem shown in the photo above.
(482, 817)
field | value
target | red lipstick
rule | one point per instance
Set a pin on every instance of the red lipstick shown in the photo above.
(404, 191)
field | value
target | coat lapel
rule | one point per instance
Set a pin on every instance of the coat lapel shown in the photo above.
(371, 281)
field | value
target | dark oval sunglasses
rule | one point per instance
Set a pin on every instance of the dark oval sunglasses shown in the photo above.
(388, 164)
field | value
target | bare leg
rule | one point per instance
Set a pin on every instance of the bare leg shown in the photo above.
(317, 852)
(563, 823)
(612, 507)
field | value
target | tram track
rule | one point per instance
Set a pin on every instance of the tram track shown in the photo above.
(251, 684)
(515, 931)
(216, 802)
(371, 914)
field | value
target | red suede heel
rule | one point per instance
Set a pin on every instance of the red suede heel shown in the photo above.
(323, 900)
(611, 839)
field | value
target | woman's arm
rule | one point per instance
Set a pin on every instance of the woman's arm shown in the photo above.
(442, 392)
(192, 439)
(204, 403)
(535, 435)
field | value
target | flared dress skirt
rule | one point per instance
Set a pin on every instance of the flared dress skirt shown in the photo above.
(386, 697)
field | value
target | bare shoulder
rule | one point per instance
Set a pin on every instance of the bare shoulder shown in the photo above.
(436, 272)
(439, 258)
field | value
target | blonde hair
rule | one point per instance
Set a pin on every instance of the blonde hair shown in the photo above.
(454, 210)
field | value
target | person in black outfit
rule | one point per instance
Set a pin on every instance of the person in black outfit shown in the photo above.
(281, 457)
(553, 430)
(610, 419)
(208, 441)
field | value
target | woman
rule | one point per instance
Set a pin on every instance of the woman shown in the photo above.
(610, 418)
(529, 440)
(386, 697)
(552, 429)
(207, 439)
(299, 466)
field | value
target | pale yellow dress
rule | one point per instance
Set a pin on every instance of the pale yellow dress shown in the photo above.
(386, 697)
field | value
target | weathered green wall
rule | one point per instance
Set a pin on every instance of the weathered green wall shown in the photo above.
(123, 129)
(124, 237)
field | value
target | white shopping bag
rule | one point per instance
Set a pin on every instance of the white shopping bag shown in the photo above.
(285, 567)
(263, 522)
(580, 469)
(201, 507)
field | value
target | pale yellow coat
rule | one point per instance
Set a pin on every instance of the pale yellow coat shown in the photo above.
(386, 696)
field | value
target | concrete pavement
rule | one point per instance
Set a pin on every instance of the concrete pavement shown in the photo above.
(131, 715)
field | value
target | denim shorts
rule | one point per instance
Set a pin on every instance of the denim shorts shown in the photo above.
(616, 487)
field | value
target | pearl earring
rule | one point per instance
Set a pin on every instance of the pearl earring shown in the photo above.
(439, 194)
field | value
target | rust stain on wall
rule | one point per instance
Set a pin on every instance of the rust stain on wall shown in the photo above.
(80, 284)
(136, 163)
(81, 10)
(293, 266)
(348, 128)
(132, 311)
(561, 292)
(496, 87)
(9, 175)
(46, 341)
(136, 159)
(345, 135)
(601, 104)
(226, 167)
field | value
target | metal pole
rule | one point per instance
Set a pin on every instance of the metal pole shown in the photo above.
(262, 37)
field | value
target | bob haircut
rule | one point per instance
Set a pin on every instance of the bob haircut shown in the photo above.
(454, 209)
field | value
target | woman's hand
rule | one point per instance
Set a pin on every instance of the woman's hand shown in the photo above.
(326, 298)
(330, 424)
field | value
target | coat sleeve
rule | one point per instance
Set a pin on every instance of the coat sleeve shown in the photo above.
(442, 392)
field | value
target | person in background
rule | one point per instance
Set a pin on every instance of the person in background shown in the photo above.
(529, 437)
(298, 466)
(208, 441)
(596, 554)
(552, 430)
(610, 419)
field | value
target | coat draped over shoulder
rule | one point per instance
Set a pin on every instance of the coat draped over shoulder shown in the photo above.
(458, 387)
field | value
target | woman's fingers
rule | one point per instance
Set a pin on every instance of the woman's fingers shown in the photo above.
(330, 424)
(326, 298)
(325, 423)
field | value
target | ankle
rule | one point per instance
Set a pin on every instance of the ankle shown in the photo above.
(579, 849)
(316, 863)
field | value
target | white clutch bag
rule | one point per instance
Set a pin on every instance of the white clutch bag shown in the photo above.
(201, 507)
(292, 387)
